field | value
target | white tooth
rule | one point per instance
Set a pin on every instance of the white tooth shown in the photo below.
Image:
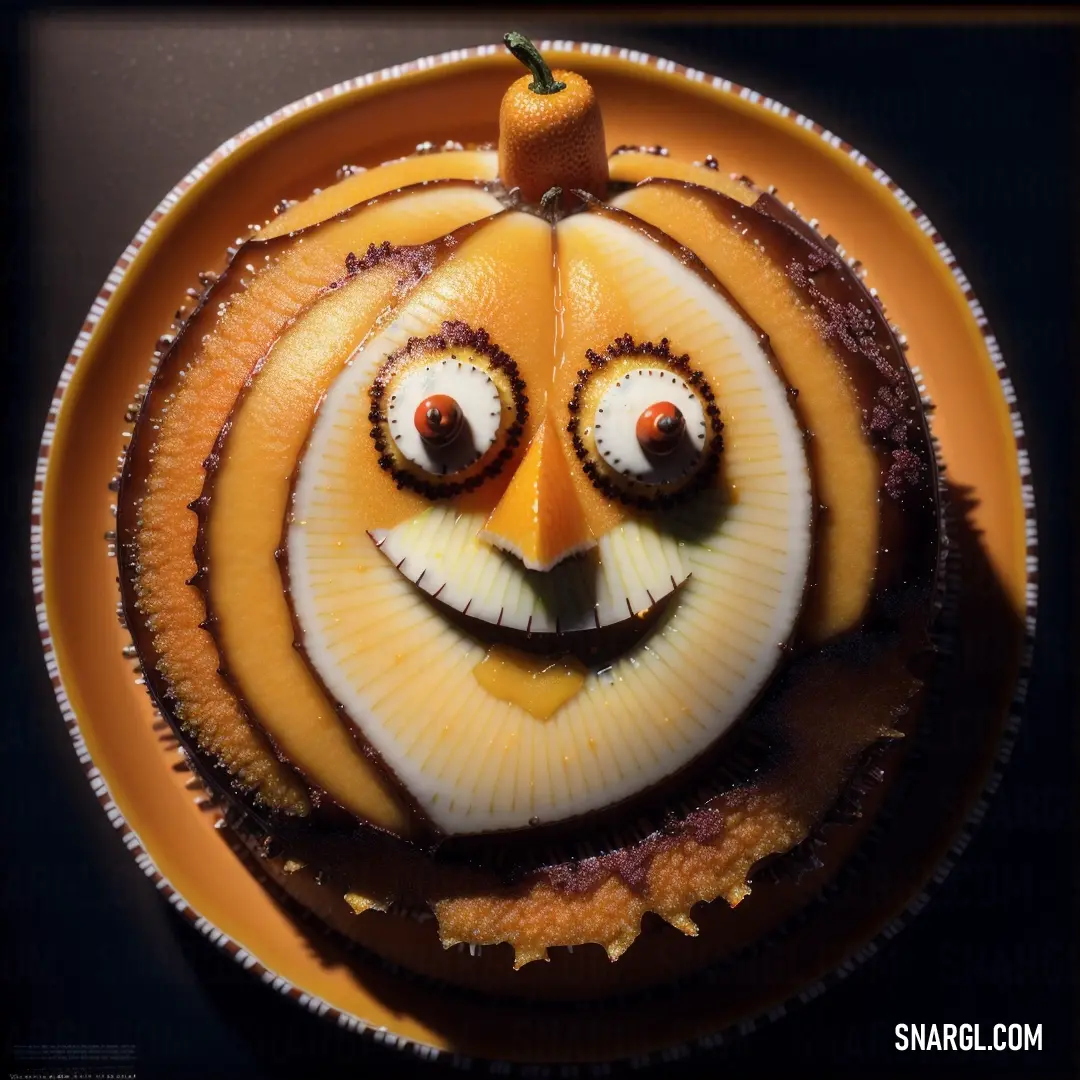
(492, 598)
(639, 552)
(416, 561)
(465, 578)
(632, 589)
(452, 576)
(515, 596)
(664, 550)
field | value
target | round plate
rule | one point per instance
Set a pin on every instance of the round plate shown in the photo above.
(130, 758)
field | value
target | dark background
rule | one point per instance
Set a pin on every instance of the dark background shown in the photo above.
(977, 120)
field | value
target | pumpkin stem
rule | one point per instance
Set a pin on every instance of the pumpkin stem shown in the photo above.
(550, 197)
(543, 81)
(550, 203)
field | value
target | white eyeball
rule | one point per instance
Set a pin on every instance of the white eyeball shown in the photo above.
(444, 416)
(650, 427)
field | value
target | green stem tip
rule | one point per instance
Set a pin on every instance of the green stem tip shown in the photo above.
(543, 81)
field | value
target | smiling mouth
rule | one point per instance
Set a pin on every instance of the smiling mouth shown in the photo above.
(624, 579)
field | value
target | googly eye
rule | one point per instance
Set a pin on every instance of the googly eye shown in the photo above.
(650, 427)
(644, 423)
(444, 416)
(448, 411)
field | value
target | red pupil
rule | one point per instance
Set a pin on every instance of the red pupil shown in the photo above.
(437, 418)
(660, 427)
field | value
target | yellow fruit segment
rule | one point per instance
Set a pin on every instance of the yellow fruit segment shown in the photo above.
(633, 166)
(215, 365)
(250, 496)
(846, 472)
(541, 685)
(358, 188)
(539, 519)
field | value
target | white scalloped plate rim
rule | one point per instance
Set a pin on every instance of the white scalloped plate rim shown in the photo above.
(144, 859)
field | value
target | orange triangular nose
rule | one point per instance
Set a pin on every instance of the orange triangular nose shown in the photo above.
(539, 518)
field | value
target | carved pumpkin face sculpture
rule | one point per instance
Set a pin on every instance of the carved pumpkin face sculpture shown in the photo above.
(552, 523)
(512, 520)
(550, 526)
